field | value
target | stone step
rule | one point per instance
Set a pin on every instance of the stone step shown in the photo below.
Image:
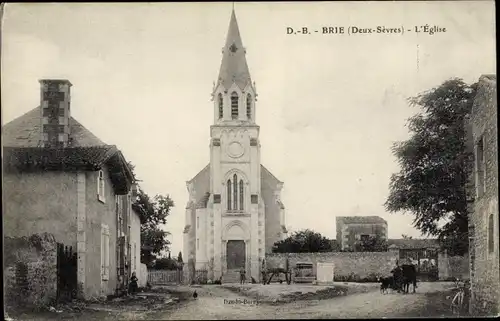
(231, 277)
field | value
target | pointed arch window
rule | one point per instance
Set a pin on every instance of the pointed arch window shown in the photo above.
(249, 106)
(220, 101)
(234, 105)
(229, 195)
(235, 191)
(235, 194)
(241, 195)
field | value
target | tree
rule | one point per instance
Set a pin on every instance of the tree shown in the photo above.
(303, 241)
(153, 212)
(406, 237)
(371, 244)
(166, 264)
(179, 258)
(435, 165)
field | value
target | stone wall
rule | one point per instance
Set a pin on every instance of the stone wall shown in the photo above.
(361, 264)
(453, 267)
(142, 275)
(459, 267)
(487, 269)
(38, 253)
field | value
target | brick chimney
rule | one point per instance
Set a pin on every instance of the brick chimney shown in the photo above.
(55, 101)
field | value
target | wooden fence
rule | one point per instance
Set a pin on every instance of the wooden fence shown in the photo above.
(161, 277)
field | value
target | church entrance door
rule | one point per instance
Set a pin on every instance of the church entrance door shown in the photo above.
(235, 254)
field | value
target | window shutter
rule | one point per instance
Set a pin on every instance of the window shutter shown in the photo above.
(99, 183)
(102, 253)
(105, 252)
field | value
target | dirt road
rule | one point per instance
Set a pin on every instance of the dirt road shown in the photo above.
(218, 303)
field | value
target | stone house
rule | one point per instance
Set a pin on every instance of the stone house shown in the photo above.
(483, 199)
(61, 179)
(351, 229)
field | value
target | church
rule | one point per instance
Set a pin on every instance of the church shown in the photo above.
(234, 214)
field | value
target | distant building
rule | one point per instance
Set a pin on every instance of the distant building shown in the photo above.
(61, 179)
(483, 198)
(424, 253)
(351, 229)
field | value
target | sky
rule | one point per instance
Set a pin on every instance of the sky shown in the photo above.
(330, 106)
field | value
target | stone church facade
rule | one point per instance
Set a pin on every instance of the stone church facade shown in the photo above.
(234, 214)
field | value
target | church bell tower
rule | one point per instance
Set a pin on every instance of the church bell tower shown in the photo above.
(235, 168)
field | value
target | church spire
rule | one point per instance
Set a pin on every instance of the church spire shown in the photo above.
(234, 66)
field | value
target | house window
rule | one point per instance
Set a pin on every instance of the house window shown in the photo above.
(198, 222)
(197, 244)
(491, 232)
(229, 195)
(100, 186)
(234, 105)
(480, 168)
(105, 252)
(249, 106)
(241, 195)
(220, 101)
(235, 191)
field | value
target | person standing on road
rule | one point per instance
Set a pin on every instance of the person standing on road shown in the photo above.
(242, 276)
(398, 274)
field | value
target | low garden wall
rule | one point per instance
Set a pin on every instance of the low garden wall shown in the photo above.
(30, 269)
(451, 267)
(349, 266)
(143, 275)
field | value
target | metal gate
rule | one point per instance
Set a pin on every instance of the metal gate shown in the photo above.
(426, 261)
(66, 273)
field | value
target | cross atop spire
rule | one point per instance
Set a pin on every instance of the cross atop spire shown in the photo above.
(234, 66)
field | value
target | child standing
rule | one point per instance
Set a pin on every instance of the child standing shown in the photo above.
(133, 283)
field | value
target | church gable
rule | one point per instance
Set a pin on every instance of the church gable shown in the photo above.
(200, 186)
(24, 131)
(269, 179)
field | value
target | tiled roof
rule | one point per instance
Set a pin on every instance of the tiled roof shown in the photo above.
(361, 220)
(88, 158)
(71, 159)
(22, 151)
(24, 131)
(413, 243)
